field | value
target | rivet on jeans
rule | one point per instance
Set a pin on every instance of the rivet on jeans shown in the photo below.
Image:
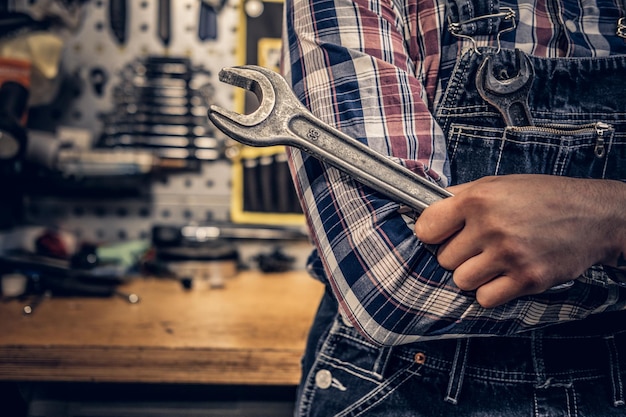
(323, 379)
(419, 357)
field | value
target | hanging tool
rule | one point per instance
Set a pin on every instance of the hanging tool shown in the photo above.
(510, 95)
(164, 22)
(118, 20)
(98, 77)
(281, 119)
(207, 24)
(13, 107)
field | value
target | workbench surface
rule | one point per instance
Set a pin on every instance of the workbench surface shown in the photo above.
(252, 331)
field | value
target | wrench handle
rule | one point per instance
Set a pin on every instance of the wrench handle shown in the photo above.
(363, 163)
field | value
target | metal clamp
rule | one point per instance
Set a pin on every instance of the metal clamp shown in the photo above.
(621, 28)
(506, 14)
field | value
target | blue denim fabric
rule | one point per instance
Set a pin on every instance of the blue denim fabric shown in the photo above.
(569, 97)
(573, 369)
(538, 374)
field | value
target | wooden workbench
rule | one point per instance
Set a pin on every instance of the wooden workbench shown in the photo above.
(252, 331)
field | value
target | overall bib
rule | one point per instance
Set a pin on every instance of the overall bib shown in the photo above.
(578, 107)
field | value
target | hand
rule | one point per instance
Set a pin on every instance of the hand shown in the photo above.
(516, 235)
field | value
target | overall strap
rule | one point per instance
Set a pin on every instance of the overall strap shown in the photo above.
(474, 17)
(471, 19)
(621, 23)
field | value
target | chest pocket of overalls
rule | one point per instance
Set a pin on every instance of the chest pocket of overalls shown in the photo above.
(578, 109)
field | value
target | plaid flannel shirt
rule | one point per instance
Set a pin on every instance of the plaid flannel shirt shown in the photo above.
(375, 69)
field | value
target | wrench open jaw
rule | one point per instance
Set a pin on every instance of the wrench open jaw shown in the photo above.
(236, 124)
(281, 119)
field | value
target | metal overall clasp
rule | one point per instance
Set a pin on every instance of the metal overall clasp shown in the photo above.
(621, 27)
(506, 14)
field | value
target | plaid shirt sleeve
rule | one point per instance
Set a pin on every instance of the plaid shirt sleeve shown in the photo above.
(370, 69)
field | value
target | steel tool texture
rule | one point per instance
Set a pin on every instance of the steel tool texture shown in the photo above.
(281, 119)
(510, 95)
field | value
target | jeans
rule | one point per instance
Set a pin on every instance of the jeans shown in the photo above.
(536, 374)
(572, 369)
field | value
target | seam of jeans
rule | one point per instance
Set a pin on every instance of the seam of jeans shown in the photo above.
(351, 369)
(457, 372)
(326, 347)
(536, 352)
(615, 374)
(381, 392)
(572, 403)
(381, 361)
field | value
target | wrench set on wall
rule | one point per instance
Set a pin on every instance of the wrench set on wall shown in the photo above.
(158, 106)
(136, 82)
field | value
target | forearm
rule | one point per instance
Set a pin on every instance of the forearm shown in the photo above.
(373, 94)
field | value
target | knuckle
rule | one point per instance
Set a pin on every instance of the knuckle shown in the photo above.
(512, 251)
(446, 262)
(487, 302)
(463, 282)
(534, 280)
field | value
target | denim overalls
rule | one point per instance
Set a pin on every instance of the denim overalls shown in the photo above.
(573, 369)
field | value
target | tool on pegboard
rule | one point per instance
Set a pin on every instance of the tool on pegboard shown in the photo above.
(158, 106)
(207, 23)
(118, 20)
(262, 189)
(98, 77)
(164, 21)
(15, 78)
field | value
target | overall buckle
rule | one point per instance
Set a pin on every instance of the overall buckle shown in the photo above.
(461, 29)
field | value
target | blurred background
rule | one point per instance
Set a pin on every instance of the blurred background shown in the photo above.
(109, 168)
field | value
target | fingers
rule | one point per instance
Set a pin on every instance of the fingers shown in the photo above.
(476, 271)
(442, 219)
(481, 245)
(439, 221)
(502, 237)
(495, 282)
(500, 291)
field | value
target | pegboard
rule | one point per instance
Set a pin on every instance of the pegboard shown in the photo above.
(176, 200)
(188, 197)
(93, 45)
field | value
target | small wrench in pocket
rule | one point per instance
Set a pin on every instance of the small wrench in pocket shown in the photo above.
(509, 96)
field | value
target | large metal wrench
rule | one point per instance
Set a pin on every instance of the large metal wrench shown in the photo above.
(509, 96)
(281, 119)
